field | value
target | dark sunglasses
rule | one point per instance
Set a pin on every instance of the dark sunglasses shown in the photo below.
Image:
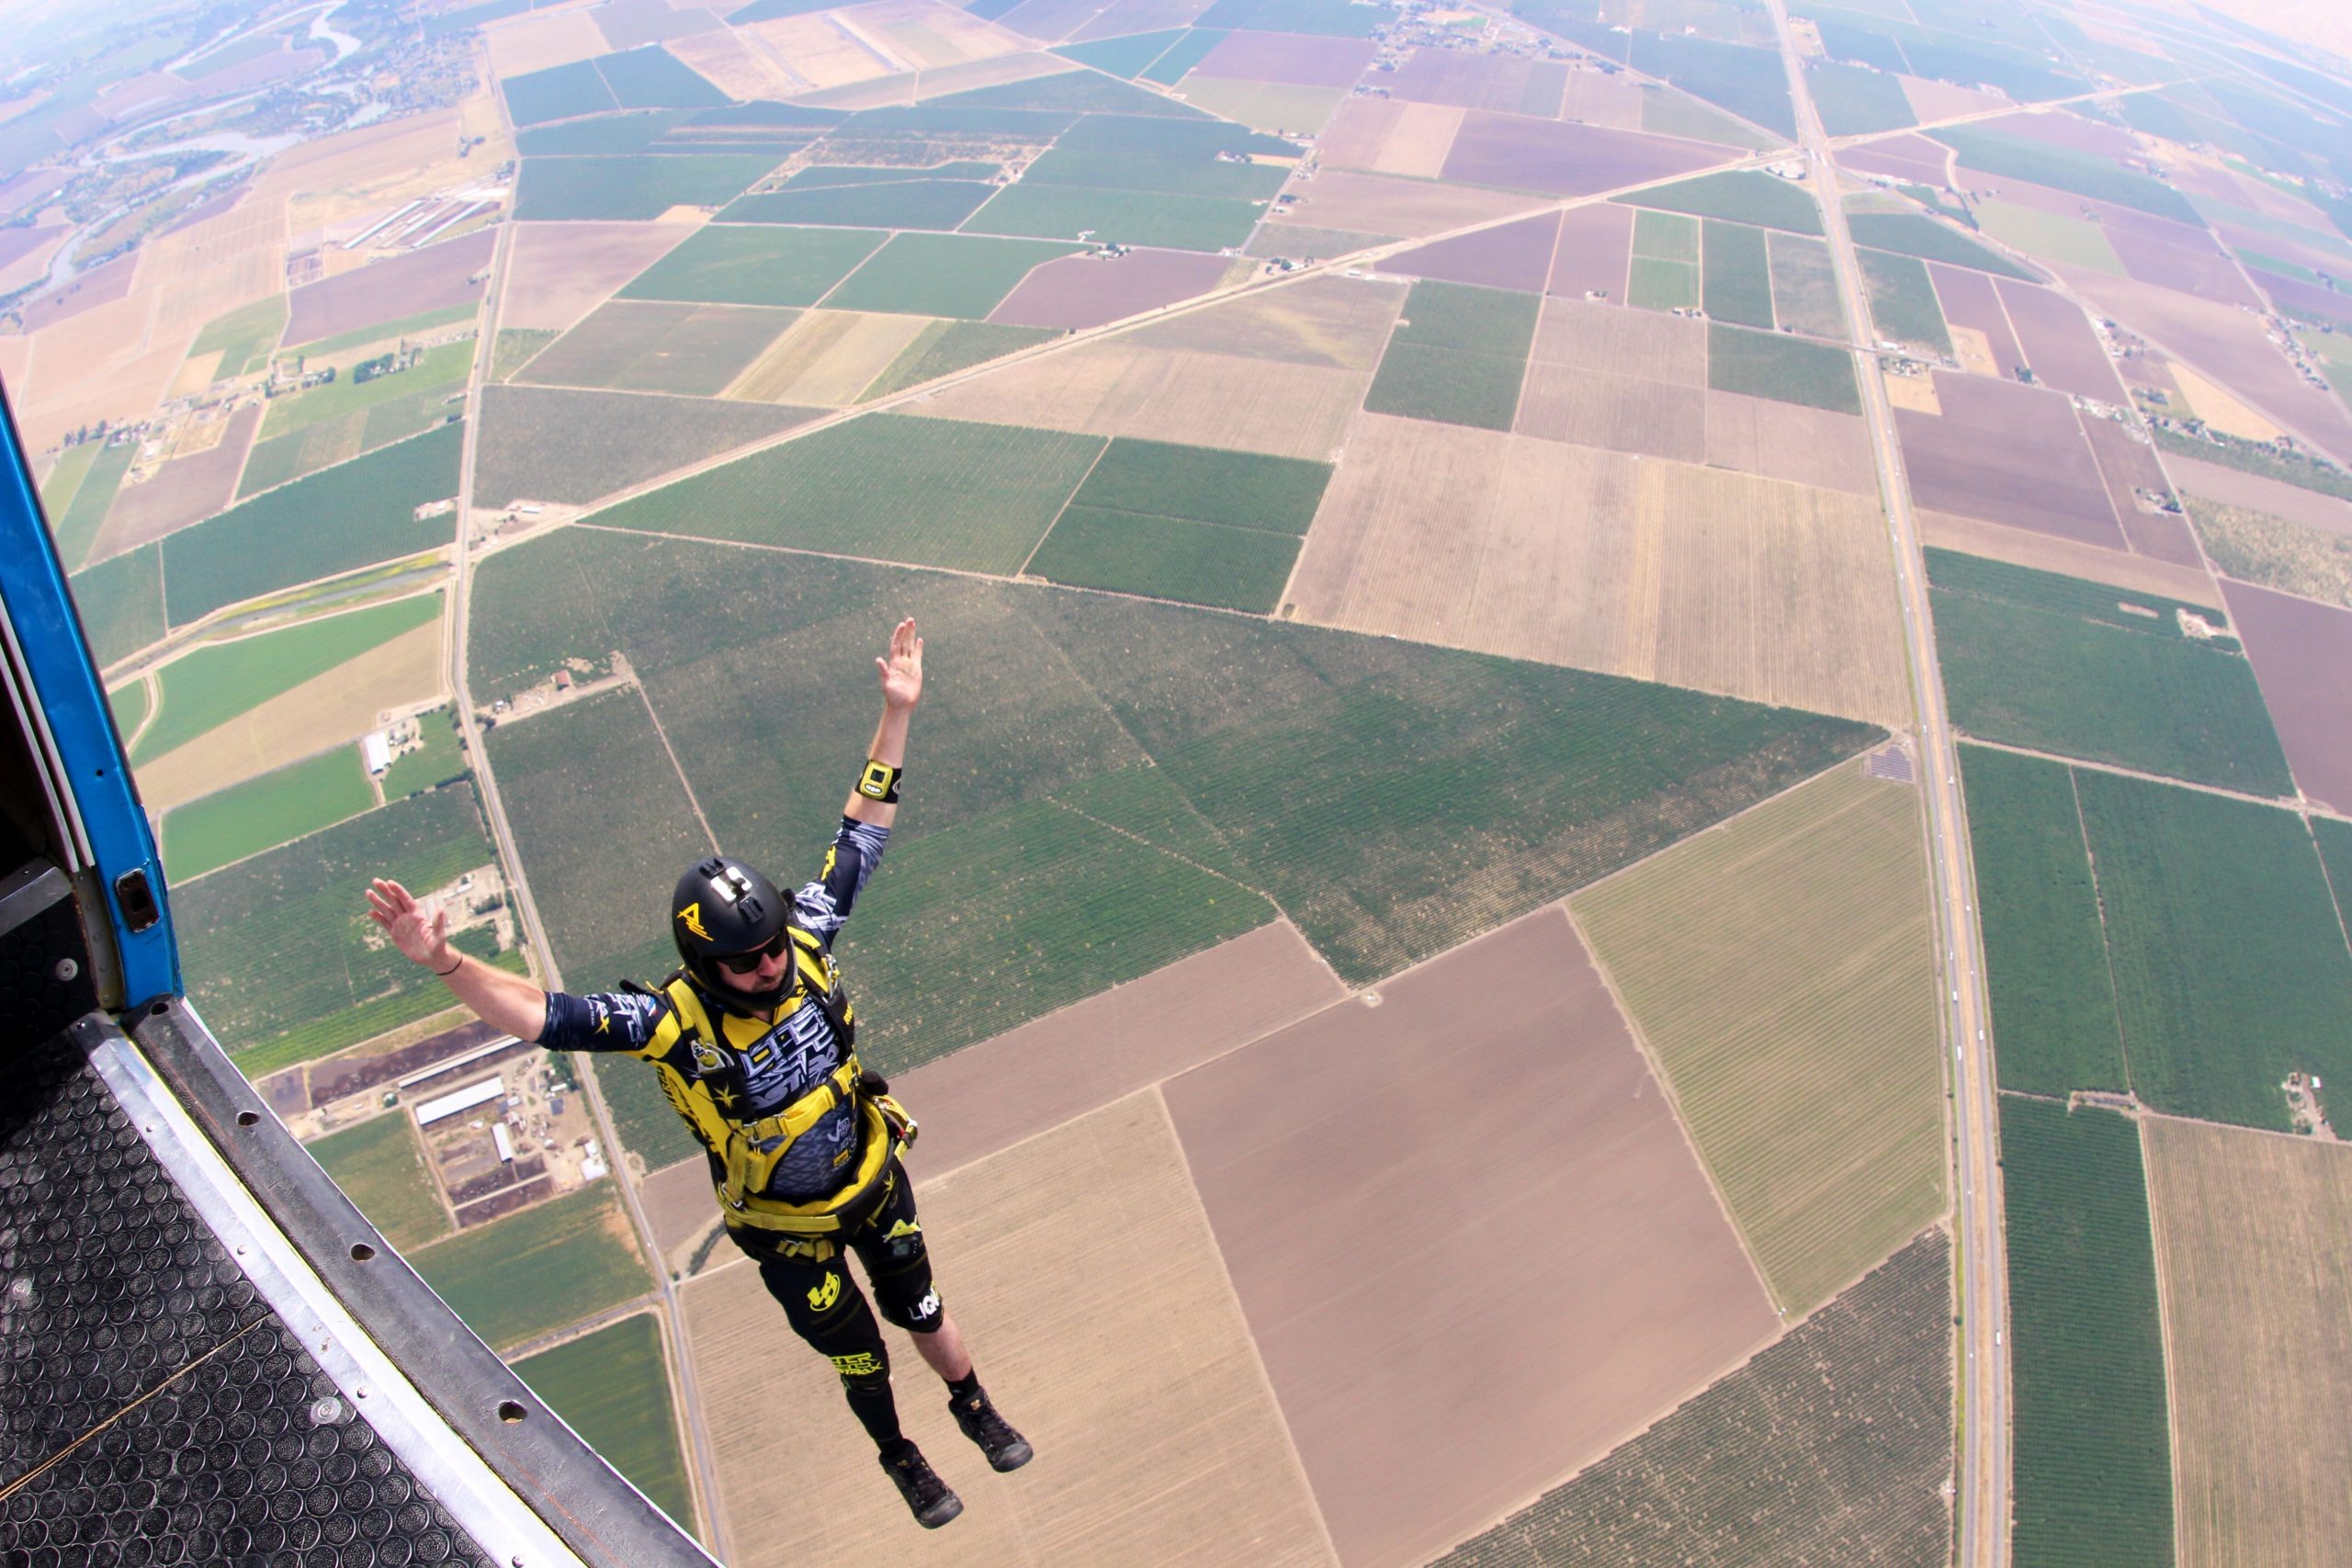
(749, 963)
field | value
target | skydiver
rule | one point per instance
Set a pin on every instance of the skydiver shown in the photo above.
(751, 1037)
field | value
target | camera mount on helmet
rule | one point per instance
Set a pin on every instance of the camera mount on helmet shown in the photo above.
(721, 908)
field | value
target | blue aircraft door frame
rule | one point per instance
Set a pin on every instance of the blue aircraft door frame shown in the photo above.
(85, 752)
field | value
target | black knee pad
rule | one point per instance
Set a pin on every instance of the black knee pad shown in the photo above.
(909, 1301)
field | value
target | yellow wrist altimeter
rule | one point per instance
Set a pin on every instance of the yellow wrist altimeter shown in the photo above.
(879, 782)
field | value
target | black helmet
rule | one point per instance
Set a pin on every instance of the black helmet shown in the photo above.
(722, 908)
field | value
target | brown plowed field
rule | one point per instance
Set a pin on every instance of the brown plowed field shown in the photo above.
(2303, 657)
(183, 490)
(557, 272)
(1644, 344)
(2273, 496)
(1562, 159)
(1640, 566)
(1373, 204)
(2021, 547)
(993, 1095)
(1084, 1275)
(1079, 292)
(1389, 136)
(2126, 466)
(1504, 83)
(1906, 157)
(2253, 1254)
(2007, 454)
(1612, 100)
(1620, 413)
(1515, 255)
(1341, 324)
(1595, 245)
(2173, 255)
(1933, 100)
(740, 64)
(100, 285)
(2058, 342)
(680, 1207)
(1968, 301)
(1295, 58)
(1787, 441)
(1423, 1403)
(827, 358)
(1120, 388)
(430, 279)
(2164, 536)
(1049, 21)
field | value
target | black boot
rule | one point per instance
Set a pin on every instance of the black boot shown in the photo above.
(928, 1497)
(1006, 1449)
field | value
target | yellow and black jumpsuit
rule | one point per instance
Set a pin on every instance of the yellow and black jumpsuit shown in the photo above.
(803, 1147)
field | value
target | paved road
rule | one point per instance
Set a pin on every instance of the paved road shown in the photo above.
(1983, 1269)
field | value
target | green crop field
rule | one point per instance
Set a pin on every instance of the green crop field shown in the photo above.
(1116, 217)
(2038, 163)
(1833, 1444)
(903, 204)
(652, 78)
(1740, 196)
(379, 1168)
(1665, 112)
(2050, 236)
(1736, 279)
(1333, 19)
(261, 813)
(824, 177)
(243, 337)
(1774, 365)
(561, 445)
(2231, 970)
(942, 275)
(1854, 101)
(658, 347)
(976, 496)
(351, 516)
(1666, 236)
(281, 956)
(1183, 55)
(1458, 354)
(2054, 1027)
(284, 459)
(76, 528)
(613, 1388)
(2032, 658)
(121, 604)
(2093, 1467)
(1750, 83)
(1126, 56)
(1782, 969)
(1804, 289)
(436, 763)
(2334, 842)
(388, 333)
(212, 684)
(560, 92)
(634, 186)
(1655, 285)
(1167, 558)
(1903, 302)
(1916, 235)
(438, 368)
(65, 475)
(515, 347)
(129, 705)
(517, 1278)
(750, 265)
(943, 348)
(1243, 490)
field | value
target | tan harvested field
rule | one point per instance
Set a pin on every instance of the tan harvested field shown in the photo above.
(1120, 388)
(1917, 393)
(1080, 1268)
(1339, 323)
(740, 63)
(2218, 407)
(1121, 17)
(827, 358)
(540, 40)
(1971, 348)
(341, 704)
(817, 50)
(992, 1095)
(197, 372)
(1593, 408)
(379, 166)
(931, 35)
(1378, 1246)
(1376, 204)
(1788, 441)
(681, 1207)
(126, 387)
(2254, 1255)
(1726, 583)
(1614, 100)
(992, 72)
(557, 272)
(2045, 552)
(1642, 344)
(1932, 100)
(210, 268)
(1389, 136)
(1780, 969)
(16, 353)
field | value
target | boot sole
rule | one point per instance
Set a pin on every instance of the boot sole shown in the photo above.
(1011, 1459)
(940, 1512)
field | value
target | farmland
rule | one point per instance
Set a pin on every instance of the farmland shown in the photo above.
(633, 185)
(1773, 364)
(613, 1388)
(1910, 234)
(215, 683)
(76, 528)
(942, 275)
(121, 604)
(655, 346)
(2048, 236)
(1655, 285)
(1049, 210)
(2093, 1468)
(896, 204)
(1780, 968)
(746, 265)
(379, 1168)
(2251, 1248)
(539, 1269)
(2058, 664)
(515, 348)
(282, 960)
(1741, 196)
(272, 809)
(436, 762)
(828, 358)
(1853, 101)
(282, 458)
(2273, 552)
(973, 496)
(275, 541)
(1750, 83)
(561, 445)
(1903, 302)
(2054, 1027)
(1804, 291)
(436, 370)
(943, 348)
(1830, 1445)
(2063, 169)
(2231, 971)
(242, 338)
(1458, 354)
(1736, 278)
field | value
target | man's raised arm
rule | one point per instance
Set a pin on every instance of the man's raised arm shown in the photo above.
(875, 798)
(513, 1004)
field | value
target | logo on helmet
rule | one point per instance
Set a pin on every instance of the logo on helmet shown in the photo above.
(692, 914)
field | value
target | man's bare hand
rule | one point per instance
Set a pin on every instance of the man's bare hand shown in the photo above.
(902, 671)
(422, 937)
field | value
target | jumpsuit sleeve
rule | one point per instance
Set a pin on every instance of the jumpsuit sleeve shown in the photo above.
(823, 905)
(631, 1021)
